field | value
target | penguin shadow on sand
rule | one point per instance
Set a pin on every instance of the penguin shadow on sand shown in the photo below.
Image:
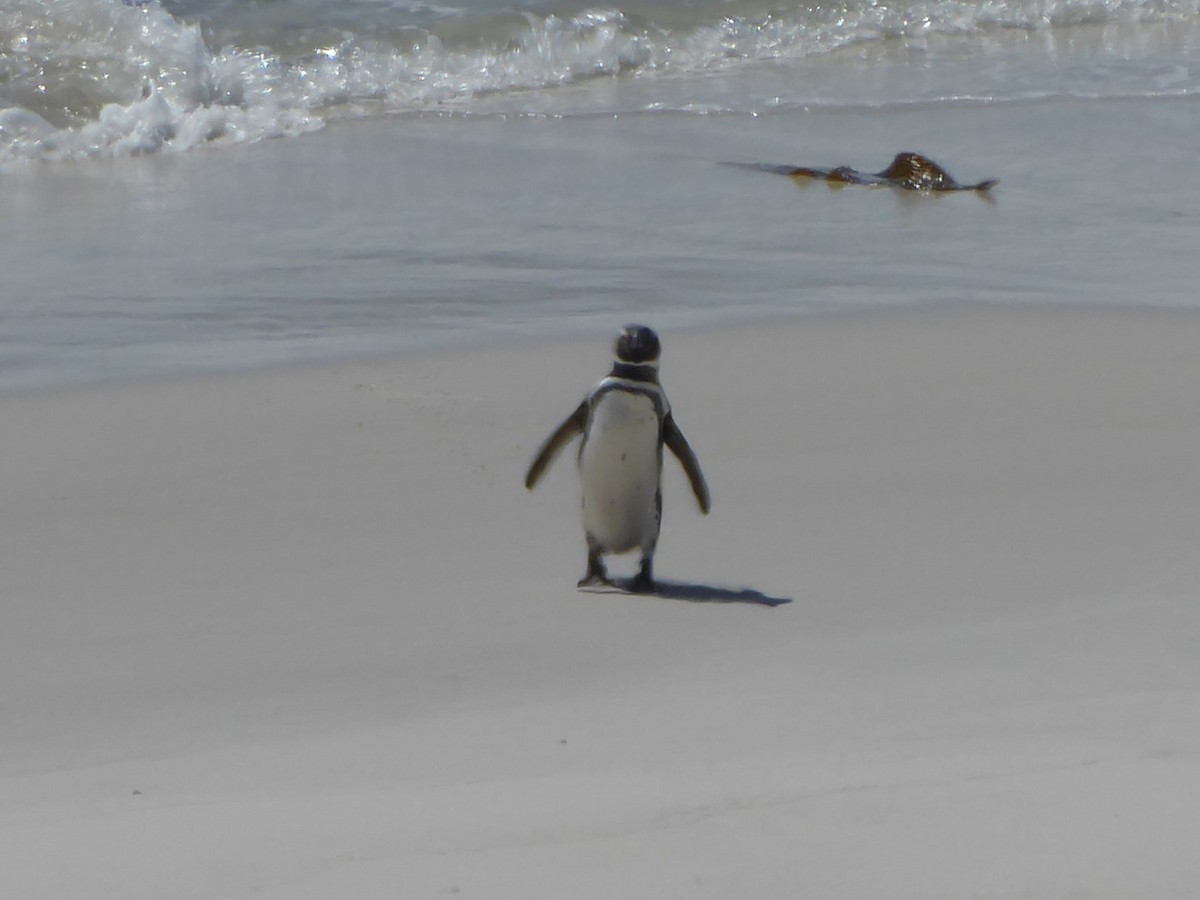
(624, 424)
(692, 593)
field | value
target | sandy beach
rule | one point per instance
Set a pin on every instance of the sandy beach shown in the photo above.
(303, 634)
(278, 618)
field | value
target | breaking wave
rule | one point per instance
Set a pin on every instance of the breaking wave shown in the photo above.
(83, 78)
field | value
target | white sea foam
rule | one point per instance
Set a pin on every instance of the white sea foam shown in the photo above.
(82, 78)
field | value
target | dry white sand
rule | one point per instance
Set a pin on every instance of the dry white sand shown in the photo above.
(305, 635)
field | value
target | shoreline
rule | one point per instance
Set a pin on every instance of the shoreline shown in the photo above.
(512, 341)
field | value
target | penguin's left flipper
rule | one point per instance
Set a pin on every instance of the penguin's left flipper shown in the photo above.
(679, 445)
(572, 426)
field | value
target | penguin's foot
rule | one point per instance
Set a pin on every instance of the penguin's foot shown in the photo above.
(595, 574)
(643, 582)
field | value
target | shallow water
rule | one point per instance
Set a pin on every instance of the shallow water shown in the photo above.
(569, 204)
(381, 237)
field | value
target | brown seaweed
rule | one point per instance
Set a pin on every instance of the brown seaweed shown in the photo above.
(907, 171)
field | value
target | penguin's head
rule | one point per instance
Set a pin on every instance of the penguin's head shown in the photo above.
(638, 345)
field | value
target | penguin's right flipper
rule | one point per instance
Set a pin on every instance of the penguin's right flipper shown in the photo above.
(562, 436)
(679, 445)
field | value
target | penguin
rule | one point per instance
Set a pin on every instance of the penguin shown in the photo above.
(625, 421)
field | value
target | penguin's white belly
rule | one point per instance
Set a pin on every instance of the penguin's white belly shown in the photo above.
(619, 465)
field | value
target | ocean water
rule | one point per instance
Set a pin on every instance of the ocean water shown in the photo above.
(470, 171)
(83, 78)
